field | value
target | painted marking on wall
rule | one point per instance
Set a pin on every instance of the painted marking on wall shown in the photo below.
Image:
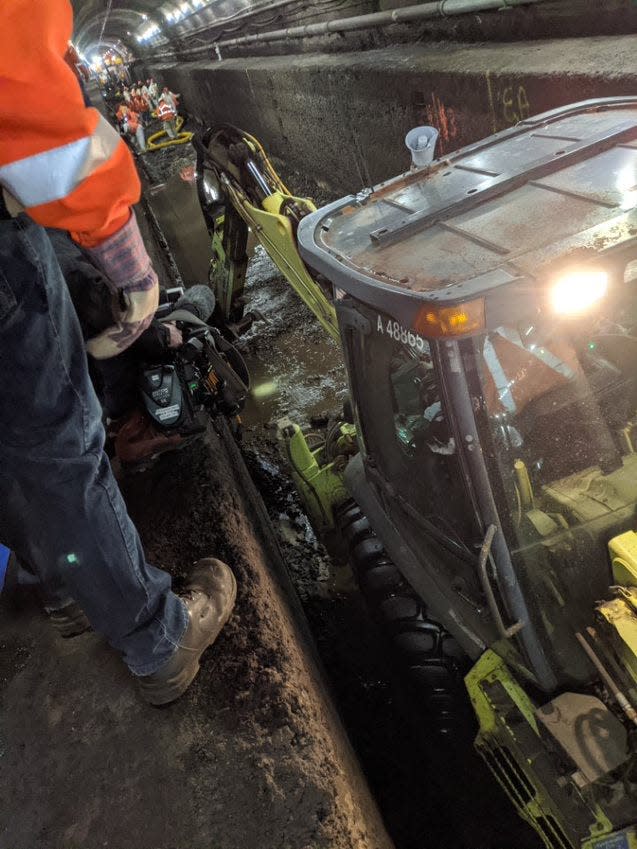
(508, 102)
(431, 110)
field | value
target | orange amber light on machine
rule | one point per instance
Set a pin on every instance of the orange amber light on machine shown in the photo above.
(460, 320)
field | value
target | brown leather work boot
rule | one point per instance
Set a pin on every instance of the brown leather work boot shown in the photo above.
(69, 621)
(210, 597)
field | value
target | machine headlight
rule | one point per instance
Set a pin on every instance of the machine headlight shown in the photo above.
(576, 292)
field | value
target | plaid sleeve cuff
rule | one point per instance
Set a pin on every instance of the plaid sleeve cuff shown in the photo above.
(124, 260)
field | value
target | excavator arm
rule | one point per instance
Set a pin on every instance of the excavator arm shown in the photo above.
(240, 192)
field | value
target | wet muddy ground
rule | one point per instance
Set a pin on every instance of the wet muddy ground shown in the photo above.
(433, 793)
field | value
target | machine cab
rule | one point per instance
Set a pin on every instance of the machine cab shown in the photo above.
(488, 312)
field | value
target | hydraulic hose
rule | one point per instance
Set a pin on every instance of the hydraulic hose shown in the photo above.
(182, 138)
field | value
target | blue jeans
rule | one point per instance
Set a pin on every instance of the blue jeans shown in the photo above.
(60, 508)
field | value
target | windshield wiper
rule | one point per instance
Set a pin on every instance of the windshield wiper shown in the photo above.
(451, 545)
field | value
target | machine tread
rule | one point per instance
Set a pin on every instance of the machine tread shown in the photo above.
(430, 658)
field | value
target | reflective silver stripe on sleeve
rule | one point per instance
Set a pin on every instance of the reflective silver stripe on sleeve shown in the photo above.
(55, 173)
(502, 383)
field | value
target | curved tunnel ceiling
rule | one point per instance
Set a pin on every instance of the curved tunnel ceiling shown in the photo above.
(98, 26)
(129, 21)
(143, 24)
(119, 29)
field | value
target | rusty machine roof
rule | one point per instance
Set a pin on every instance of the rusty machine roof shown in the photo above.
(495, 212)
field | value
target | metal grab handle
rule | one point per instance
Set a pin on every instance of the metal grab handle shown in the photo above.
(485, 551)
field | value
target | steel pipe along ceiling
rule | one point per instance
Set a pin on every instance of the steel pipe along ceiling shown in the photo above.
(422, 11)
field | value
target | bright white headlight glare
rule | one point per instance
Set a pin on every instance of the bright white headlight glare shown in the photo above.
(578, 291)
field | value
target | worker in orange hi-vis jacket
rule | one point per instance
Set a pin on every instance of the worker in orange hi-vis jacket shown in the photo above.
(62, 512)
(167, 114)
(131, 124)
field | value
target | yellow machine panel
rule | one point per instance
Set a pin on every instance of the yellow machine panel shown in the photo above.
(623, 556)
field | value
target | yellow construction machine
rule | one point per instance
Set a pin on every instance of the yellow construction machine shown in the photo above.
(487, 309)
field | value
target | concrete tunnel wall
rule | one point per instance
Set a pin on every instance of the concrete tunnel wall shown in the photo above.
(340, 120)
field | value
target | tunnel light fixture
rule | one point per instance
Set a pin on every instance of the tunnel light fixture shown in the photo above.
(578, 291)
(183, 9)
(148, 33)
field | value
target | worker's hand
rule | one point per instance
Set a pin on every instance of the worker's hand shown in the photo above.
(133, 282)
(130, 322)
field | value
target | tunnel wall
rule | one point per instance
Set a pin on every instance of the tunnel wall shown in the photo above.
(340, 119)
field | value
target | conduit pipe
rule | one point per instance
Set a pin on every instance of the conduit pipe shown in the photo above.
(422, 11)
(220, 22)
(252, 12)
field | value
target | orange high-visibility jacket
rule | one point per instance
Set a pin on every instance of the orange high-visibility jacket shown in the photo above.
(62, 162)
(165, 112)
(139, 103)
(132, 119)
